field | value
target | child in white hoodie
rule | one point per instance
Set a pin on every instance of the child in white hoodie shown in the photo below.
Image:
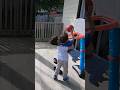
(62, 58)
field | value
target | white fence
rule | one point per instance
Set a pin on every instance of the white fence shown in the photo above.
(45, 30)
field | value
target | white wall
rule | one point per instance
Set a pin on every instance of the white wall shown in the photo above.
(70, 11)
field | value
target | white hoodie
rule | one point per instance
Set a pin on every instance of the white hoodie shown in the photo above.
(62, 53)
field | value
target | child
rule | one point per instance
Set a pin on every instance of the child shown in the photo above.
(69, 43)
(72, 51)
(62, 58)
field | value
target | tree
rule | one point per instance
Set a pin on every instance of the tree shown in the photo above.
(48, 4)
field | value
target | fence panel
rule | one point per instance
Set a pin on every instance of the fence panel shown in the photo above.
(45, 30)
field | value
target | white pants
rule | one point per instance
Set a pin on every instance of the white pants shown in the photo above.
(65, 68)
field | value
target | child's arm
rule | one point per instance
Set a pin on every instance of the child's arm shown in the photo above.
(68, 43)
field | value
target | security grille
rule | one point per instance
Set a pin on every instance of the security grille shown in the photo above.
(16, 17)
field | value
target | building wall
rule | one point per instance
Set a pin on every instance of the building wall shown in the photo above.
(110, 8)
(70, 11)
(16, 17)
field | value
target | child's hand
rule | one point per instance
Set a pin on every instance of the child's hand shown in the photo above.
(75, 35)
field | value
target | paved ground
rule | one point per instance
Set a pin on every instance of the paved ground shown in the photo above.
(44, 71)
(12, 45)
(16, 64)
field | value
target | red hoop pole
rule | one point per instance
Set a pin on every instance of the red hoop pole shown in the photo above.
(109, 23)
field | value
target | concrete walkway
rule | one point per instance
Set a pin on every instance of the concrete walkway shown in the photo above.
(44, 71)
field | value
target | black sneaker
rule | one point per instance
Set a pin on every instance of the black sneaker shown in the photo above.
(54, 68)
(55, 77)
(61, 73)
(55, 60)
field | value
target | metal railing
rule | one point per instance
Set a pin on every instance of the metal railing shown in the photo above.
(45, 30)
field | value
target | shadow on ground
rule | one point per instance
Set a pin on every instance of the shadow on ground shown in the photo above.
(15, 78)
(13, 45)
